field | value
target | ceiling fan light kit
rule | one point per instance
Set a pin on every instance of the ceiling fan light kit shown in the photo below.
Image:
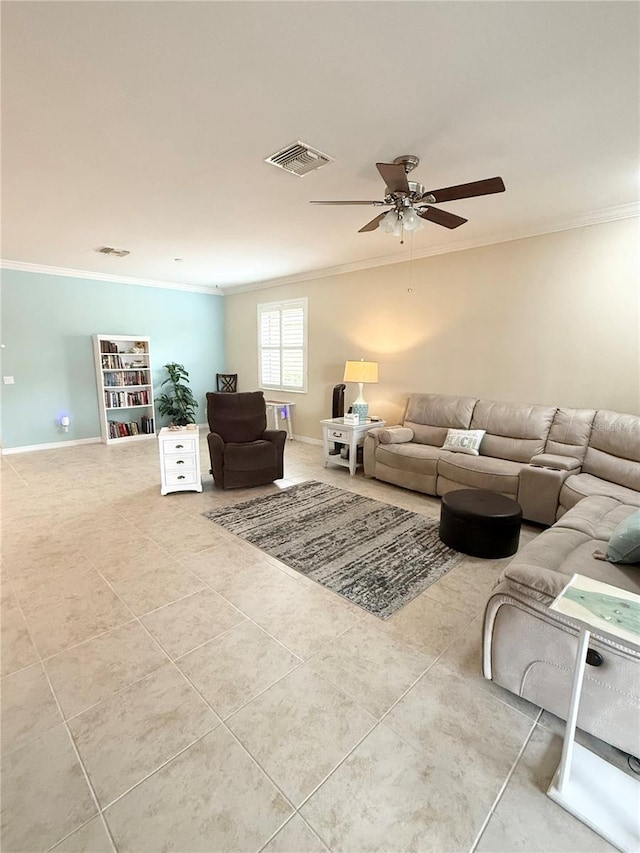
(410, 202)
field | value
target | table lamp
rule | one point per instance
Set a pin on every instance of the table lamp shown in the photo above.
(361, 372)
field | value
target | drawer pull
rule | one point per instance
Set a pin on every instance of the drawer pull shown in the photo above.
(179, 446)
(179, 461)
(181, 477)
(337, 435)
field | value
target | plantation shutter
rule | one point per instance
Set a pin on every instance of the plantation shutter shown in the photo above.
(282, 345)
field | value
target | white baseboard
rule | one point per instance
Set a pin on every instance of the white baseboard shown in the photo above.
(56, 445)
(52, 445)
(304, 439)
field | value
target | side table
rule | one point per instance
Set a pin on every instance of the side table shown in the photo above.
(597, 793)
(179, 460)
(335, 431)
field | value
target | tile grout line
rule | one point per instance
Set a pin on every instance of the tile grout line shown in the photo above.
(69, 735)
(475, 687)
(504, 785)
(153, 772)
(222, 723)
(381, 721)
(302, 661)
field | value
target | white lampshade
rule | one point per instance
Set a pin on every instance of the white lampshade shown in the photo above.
(361, 371)
(410, 220)
(391, 224)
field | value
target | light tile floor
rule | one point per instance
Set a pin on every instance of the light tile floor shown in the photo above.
(166, 686)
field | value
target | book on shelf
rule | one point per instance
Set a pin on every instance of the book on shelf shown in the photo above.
(112, 362)
(126, 377)
(126, 399)
(120, 429)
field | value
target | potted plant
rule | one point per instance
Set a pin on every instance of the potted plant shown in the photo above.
(179, 404)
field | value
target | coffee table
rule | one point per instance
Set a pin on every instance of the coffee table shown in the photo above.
(480, 523)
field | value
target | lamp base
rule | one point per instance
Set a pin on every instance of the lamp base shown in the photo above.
(362, 410)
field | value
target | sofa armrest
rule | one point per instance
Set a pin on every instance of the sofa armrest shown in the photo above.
(216, 456)
(278, 437)
(275, 436)
(376, 432)
(395, 435)
(539, 491)
(555, 462)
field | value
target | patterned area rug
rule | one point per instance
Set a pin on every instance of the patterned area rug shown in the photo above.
(376, 555)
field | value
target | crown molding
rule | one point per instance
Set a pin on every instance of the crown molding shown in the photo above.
(599, 217)
(23, 266)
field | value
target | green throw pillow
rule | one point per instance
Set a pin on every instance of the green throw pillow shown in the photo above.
(624, 545)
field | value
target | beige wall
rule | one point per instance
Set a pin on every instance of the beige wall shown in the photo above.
(552, 319)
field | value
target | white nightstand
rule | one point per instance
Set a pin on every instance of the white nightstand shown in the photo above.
(335, 431)
(587, 786)
(179, 460)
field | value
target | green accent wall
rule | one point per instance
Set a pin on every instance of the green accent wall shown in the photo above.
(47, 324)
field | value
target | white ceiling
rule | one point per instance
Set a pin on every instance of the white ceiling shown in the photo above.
(144, 125)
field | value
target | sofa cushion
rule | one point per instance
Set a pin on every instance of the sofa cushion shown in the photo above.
(249, 456)
(548, 562)
(597, 516)
(578, 486)
(418, 458)
(569, 433)
(624, 544)
(464, 441)
(431, 415)
(480, 472)
(515, 431)
(613, 453)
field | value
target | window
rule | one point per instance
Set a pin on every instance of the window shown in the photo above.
(282, 345)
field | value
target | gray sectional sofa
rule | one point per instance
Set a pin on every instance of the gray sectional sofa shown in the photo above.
(530, 650)
(575, 469)
(547, 458)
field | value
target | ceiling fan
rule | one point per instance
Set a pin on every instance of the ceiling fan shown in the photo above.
(410, 202)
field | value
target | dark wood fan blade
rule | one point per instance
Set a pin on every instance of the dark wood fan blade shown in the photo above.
(394, 176)
(441, 217)
(371, 226)
(475, 188)
(347, 202)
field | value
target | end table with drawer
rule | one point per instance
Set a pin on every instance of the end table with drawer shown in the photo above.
(335, 431)
(179, 460)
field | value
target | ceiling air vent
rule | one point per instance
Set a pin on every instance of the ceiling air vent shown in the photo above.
(109, 250)
(299, 159)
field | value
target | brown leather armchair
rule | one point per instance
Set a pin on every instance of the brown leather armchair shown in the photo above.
(243, 451)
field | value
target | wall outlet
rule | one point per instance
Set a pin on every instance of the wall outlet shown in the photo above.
(8, 380)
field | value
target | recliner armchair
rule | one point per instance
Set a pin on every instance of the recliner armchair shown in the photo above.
(243, 451)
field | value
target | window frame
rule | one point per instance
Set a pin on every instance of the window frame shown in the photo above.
(280, 306)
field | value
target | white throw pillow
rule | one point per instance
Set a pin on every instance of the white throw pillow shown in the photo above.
(464, 441)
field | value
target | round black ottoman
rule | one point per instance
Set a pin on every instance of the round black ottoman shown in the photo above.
(480, 523)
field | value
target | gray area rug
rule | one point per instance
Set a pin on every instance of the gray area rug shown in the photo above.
(376, 555)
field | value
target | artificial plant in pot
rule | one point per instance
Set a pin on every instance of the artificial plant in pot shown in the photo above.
(179, 403)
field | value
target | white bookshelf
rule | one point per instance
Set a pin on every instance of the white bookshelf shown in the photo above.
(125, 389)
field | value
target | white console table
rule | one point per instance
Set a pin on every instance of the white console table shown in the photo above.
(278, 410)
(600, 795)
(335, 431)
